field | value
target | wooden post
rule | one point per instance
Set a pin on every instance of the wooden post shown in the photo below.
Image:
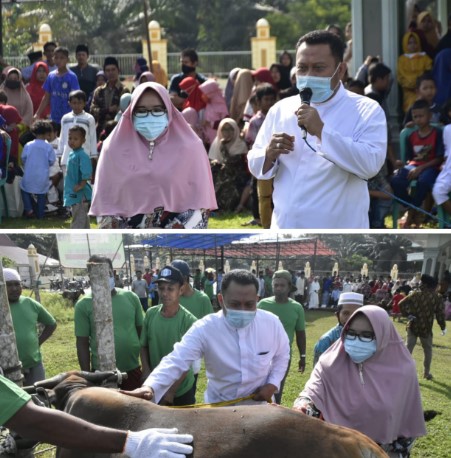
(103, 315)
(9, 357)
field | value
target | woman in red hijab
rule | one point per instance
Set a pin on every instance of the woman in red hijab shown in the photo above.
(194, 98)
(34, 87)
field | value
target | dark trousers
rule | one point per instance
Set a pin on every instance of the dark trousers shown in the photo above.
(144, 303)
(186, 399)
(278, 396)
(28, 203)
(425, 183)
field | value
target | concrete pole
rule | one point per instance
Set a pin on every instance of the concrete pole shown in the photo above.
(103, 315)
(9, 357)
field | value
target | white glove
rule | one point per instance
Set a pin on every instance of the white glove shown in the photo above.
(155, 442)
(444, 332)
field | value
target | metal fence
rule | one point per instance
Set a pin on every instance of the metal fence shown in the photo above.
(214, 63)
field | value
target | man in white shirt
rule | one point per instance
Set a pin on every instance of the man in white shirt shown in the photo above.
(246, 350)
(320, 182)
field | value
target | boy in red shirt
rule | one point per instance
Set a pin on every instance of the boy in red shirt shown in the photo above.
(424, 156)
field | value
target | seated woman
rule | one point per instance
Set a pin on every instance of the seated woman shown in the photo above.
(228, 159)
(368, 381)
(153, 171)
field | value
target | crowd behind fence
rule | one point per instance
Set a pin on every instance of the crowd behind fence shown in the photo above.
(214, 63)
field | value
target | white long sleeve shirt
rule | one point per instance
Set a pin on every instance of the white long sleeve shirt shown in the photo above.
(442, 186)
(326, 188)
(237, 361)
(84, 120)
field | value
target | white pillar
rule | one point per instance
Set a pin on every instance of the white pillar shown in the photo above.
(390, 51)
(357, 35)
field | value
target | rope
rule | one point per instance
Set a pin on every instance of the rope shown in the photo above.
(407, 204)
(213, 404)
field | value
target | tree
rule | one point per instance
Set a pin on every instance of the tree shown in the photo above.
(45, 244)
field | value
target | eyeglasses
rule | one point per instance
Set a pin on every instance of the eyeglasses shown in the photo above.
(364, 336)
(143, 112)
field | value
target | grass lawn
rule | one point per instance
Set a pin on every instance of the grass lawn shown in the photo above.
(219, 220)
(60, 355)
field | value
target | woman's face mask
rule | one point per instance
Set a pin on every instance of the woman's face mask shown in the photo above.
(12, 84)
(360, 351)
(151, 127)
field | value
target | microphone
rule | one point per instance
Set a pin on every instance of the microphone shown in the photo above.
(305, 95)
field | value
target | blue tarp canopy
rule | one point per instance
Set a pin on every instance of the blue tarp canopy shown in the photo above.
(195, 241)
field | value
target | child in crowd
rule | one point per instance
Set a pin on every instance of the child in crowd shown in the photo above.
(37, 157)
(411, 65)
(55, 173)
(394, 304)
(266, 97)
(426, 90)
(77, 190)
(12, 119)
(78, 116)
(58, 85)
(424, 156)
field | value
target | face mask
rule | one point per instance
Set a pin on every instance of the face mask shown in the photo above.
(111, 283)
(319, 85)
(360, 351)
(188, 69)
(12, 84)
(239, 318)
(151, 127)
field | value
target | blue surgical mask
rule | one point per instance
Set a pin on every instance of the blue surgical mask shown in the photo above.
(239, 318)
(319, 85)
(111, 283)
(151, 127)
(360, 351)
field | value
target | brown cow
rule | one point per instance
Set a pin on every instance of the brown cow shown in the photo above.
(226, 432)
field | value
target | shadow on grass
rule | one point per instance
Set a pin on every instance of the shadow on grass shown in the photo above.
(438, 387)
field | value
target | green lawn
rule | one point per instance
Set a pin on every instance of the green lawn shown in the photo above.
(60, 355)
(219, 220)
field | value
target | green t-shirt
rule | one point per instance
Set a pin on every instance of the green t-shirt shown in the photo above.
(198, 304)
(208, 288)
(127, 316)
(160, 334)
(12, 399)
(291, 314)
(26, 314)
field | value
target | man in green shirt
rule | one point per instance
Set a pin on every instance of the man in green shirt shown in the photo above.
(164, 326)
(26, 313)
(195, 301)
(290, 313)
(127, 324)
(20, 414)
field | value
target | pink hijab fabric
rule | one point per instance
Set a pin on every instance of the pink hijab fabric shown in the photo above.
(388, 405)
(216, 108)
(177, 178)
(19, 98)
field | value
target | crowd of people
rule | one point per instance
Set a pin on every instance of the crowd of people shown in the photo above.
(196, 148)
(247, 344)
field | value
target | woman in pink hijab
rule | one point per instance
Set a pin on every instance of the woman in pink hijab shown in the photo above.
(153, 171)
(368, 381)
(17, 95)
(215, 110)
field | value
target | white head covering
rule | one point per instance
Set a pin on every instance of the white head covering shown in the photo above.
(11, 275)
(351, 298)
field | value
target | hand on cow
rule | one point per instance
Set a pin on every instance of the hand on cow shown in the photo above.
(144, 392)
(265, 393)
(155, 442)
